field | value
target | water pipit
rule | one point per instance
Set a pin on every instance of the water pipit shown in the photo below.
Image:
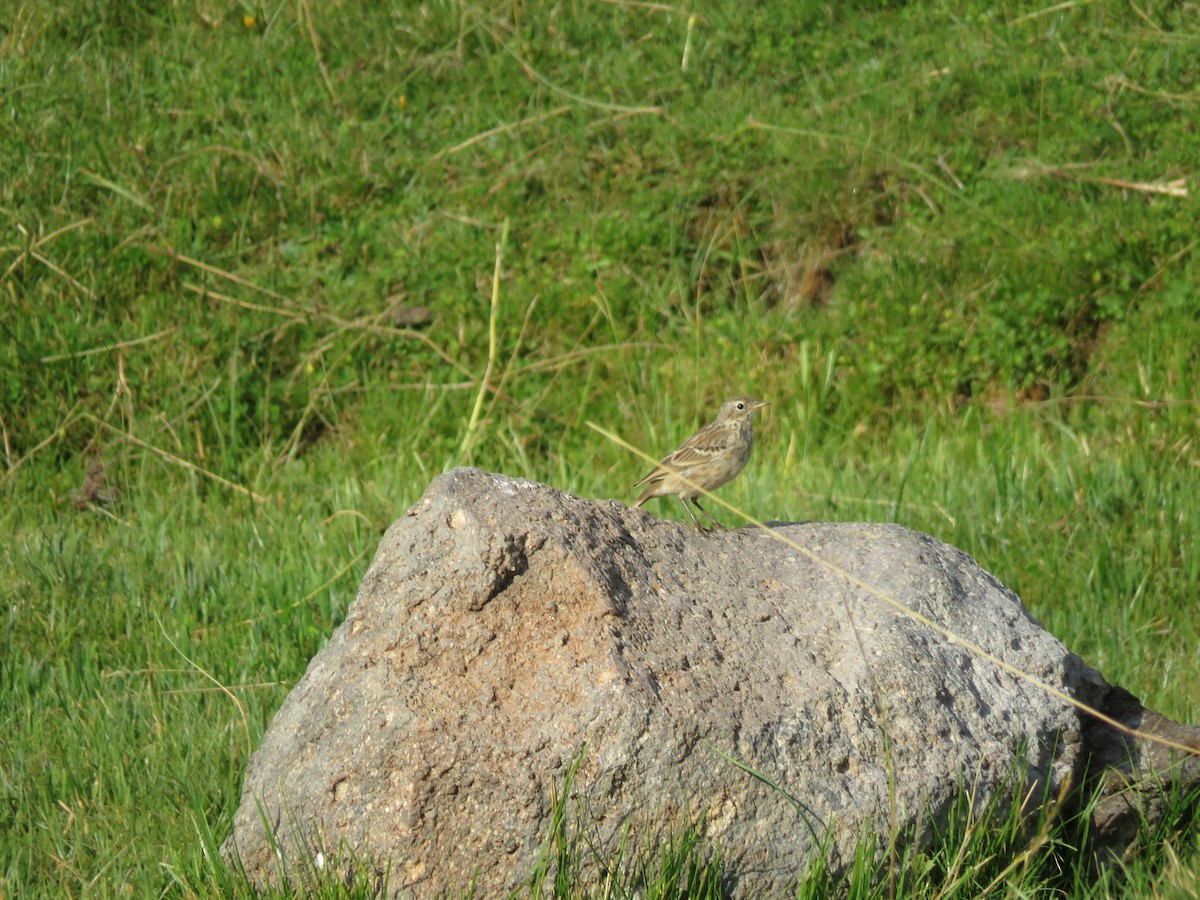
(708, 459)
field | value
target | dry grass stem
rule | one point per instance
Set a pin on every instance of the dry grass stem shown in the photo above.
(847, 500)
(365, 323)
(133, 342)
(244, 304)
(687, 44)
(498, 392)
(121, 191)
(908, 611)
(177, 460)
(262, 167)
(7, 446)
(473, 422)
(58, 432)
(541, 79)
(222, 688)
(332, 579)
(1176, 187)
(654, 7)
(1049, 10)
(60, 272)
(499, 129)
(316, 45)
(555, 363)
(1120, 81)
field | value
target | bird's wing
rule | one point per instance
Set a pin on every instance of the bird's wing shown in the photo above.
(699, 448)
(689, 455)
(656, 474)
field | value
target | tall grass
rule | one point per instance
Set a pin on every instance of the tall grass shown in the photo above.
(251, 302)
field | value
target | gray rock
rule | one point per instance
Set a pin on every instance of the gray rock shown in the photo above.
(504, 626)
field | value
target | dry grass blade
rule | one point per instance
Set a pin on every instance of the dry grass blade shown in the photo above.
(183, 692)
(222, 688)
(1116, 401)
(498, 392)
(1181, 880)
(316, 45)
(473, 423)
(499, 129)
(1120, 81)
(244, 304)
(654, 7)
(262, 167)
(1176, 187)
(177, 460)
(365, 323)
(58, 432)
(908, 611)
(687, 44)
(849, 500)
(868, 146)
(555, 363)
(321, 392)
(123, 192)
(1036, 843)
(47, 238)
(212, 270)
(411, 386)
(63, 274)
(332, 579)
(133, 342)
(541, 79)
(1049, 10)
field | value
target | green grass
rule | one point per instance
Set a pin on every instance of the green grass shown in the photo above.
(987, 848)
(939, 236)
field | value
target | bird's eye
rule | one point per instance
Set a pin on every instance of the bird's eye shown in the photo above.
(741, 406)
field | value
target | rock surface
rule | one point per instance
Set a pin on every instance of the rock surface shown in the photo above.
(505, 626)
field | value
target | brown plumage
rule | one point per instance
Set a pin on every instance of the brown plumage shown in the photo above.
(711, 457)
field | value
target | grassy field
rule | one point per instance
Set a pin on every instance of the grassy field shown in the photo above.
(267, 268)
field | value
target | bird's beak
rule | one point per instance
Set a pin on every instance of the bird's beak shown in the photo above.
(759, 404)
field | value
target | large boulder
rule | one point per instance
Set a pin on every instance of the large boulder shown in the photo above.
(505, 626)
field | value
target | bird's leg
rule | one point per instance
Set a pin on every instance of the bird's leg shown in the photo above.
(710, 518)
(699, 527)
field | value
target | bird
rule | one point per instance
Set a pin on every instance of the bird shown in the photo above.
(711, 457)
